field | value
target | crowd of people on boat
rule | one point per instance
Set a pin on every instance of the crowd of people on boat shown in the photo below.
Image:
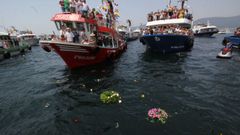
(168, 29)
(172, 12)
(81, 7)
(80, 37)
(74, 6)
(6, 44)
(72, 35)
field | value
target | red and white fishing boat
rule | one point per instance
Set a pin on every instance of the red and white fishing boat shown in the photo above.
(108, 44)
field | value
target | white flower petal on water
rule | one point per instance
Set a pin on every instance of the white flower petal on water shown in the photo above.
(120, 101)
(47, 105)
(117, 125)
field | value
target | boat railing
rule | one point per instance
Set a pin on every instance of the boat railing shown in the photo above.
(107, 43)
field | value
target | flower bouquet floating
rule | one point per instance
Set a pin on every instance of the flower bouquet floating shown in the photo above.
(157, 115)
(110, 97)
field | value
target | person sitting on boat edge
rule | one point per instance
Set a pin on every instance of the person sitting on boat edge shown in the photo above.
(92, 14)
(53, 37)
(92, 40)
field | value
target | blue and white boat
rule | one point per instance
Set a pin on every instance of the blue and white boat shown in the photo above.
(203, 30)
(234, 40)
(169, 34)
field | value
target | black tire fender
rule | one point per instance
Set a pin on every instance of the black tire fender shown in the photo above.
(7, 55)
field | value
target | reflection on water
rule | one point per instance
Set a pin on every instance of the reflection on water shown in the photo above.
(39, 95)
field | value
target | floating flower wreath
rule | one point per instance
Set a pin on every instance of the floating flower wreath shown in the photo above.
(110, 97)
(157, 115)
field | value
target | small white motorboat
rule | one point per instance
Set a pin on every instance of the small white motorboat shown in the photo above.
(226, 52)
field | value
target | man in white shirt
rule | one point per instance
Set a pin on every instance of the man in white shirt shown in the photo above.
(69, 35)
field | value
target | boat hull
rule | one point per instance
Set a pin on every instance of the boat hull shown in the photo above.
(13, 51)
(222, 55)
(205, 34)
(168, 43)
(132, 39)
(76, 56)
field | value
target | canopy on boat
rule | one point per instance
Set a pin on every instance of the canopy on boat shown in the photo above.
(182, 21)
(71, 17)
(3, 34)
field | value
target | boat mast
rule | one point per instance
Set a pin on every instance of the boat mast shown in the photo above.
(183, 3)
(169, 3)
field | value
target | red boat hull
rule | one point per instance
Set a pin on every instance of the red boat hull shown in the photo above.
(75, 55)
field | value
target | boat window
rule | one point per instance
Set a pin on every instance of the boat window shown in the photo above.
(58, 25)
(69, 24)
(6, 38)
(79, 26)
(115, 43)
(72, 25)
(1, 44)
(88, 27)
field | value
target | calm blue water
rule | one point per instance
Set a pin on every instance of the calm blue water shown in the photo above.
(40, 96)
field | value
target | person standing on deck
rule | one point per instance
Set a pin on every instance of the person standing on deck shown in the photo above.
(85, 9)
(73, 6)
(82, 35)
(79, 7)
(75, 36)
(76, 6)
(66, 5)
(62, 33)
(61, 3)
